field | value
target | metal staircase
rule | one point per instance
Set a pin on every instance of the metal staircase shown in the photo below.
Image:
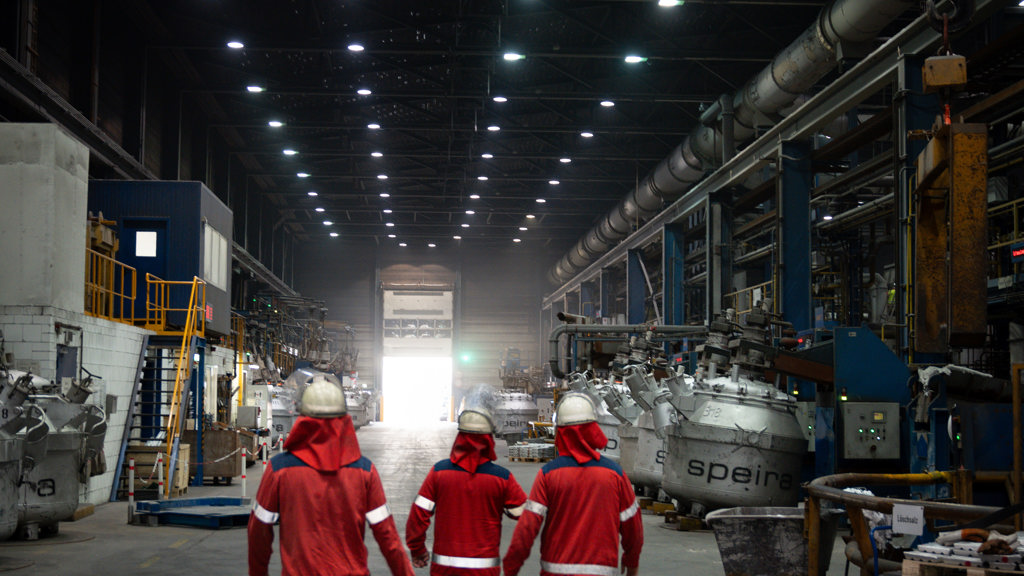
(160, 396)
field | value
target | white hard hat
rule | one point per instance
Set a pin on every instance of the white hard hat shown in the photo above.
(476, 421)
(322, 399)
(575, 408)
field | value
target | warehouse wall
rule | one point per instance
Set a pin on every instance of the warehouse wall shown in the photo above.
(498, 296)
(108, 349)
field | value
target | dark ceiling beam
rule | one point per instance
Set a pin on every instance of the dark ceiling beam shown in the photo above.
(408, 128)
(576, 158)
(318, 92)
(398, 177)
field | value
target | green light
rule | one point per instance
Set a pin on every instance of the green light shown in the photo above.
(465, 357)
(860, 430)
(872, 430)
(843, 398)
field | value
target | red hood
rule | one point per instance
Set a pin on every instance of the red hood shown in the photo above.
(472, 450)
(581, 441)
(324, 443)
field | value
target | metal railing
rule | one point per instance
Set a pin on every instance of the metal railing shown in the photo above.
(743, 301)
(159, 305)
(195, 323)
(109, 288)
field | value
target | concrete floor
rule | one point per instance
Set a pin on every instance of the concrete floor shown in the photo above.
(105, 544)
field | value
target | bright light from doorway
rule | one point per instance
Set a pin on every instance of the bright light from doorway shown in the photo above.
(417, 390)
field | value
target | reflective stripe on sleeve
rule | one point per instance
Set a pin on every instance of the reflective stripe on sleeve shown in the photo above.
(264, 515)
(629, 512)
(595, 569)
(378, 515)
(425, 503)
(457, 562)
(536, 507)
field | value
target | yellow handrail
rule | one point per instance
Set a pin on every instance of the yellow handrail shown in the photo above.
(743, 300)
(158, 304)
(109, 288)
(194, 324)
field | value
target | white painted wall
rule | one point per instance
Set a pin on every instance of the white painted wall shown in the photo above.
(110, 350)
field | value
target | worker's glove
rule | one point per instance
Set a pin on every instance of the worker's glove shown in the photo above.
(421, 560)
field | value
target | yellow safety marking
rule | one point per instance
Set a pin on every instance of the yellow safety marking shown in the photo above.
(179, 543)
(149, 562)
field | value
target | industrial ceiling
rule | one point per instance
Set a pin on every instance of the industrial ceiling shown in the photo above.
(451, 160)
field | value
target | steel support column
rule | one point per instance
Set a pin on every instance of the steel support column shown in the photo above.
(674, 274)
(794, 257)
(586, 300)
(636, 289)
(604, 278)
(914, 111)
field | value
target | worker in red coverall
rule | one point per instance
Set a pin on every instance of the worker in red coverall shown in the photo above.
(322, 491)
(585, 503)
(468, 493)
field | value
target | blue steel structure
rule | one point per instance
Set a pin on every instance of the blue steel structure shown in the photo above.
(636, 289)
(674, 270)
(794, 265)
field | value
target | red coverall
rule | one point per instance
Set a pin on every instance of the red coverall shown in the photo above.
(322, 491)
(468, 493)
(585, 503)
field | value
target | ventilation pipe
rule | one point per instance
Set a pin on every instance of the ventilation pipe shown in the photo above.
(758, 103)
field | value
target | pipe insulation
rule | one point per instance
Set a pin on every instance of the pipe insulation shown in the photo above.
(793, 71)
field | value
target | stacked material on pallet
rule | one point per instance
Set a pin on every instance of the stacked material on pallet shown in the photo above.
(532, 450)
(995, 551)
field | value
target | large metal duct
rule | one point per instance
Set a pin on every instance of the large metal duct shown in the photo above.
(779, 84)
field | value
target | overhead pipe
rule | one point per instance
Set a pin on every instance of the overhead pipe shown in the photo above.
(557, 332)
(793, 71)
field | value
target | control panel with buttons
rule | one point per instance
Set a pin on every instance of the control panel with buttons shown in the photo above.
(871, 430)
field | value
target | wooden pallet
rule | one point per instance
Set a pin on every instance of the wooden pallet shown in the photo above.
(917, 568)
(528, 459)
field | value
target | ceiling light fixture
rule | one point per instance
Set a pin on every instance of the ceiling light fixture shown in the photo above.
(634, 59)
(482, 178)
(554, 182)
(318, 209)
(373, 126)
(275, 123)
(669, 3)
(523, 228)
(312, 193)
(254, 88)
(388, 210)
(500, 99)
(303, 174)
(530, 216)
(289, 152)
(385, 195)
(517, 240)
(487, 155)
(376, 154)
(465, 225)
(235, 45)
(382, 176)
(493, 128)
(334, 234)
(392, 236)
(541, 200)
(389, 224)
(474, 196)
(826, 217)
(328, 223)
(513, 56)
(457, 237)
(587, 134)
(402, 244)
(470, 212)
(565, 160)
(607, 103)
(364, 92)
(432, 245)
(355, 47)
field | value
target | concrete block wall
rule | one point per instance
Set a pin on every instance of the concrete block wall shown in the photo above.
(43, 190)
(110, 350)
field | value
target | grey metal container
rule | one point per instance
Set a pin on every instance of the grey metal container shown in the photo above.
(610, 426)
(50, 488)
(736, 443)
(11, 452)
(512, 414)
(769, 541)
(643, 453)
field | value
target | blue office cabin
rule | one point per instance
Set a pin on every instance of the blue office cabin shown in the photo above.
(174, 230)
